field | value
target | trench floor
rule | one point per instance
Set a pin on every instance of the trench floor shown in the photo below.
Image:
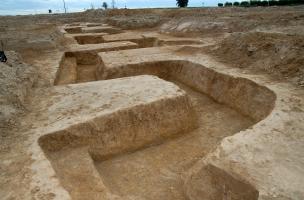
(156, 172)
(86, 73)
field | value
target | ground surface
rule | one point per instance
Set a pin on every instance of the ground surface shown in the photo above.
(224, 120)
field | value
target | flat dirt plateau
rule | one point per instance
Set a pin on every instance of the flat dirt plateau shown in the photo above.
(167, 104)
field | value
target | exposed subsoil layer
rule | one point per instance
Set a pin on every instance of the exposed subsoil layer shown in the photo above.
(80, 64)
(149, 172)
(122, 115)
(156, 172)
(144, 115)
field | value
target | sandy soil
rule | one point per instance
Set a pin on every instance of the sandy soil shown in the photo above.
(242, 70)
(158, 171)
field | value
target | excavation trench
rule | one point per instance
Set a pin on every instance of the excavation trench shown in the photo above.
(157, 172)
(89, 39)
(241, 94)
(77, 67)
(92, 29)
(81, 66)
(142, 40)
(224, 105)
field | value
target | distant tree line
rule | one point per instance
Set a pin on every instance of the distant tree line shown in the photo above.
(182, 3)
(254, 3)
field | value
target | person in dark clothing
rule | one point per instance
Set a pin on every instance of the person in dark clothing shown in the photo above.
(2, 57)
(2, 54)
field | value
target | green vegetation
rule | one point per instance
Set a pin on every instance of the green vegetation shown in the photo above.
(228, 4)
(105, 5)
(253, 3)
(182, 3)
(245, 4)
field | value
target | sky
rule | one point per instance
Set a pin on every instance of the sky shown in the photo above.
(21, 7)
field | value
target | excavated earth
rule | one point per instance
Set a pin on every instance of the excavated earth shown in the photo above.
(109, 112)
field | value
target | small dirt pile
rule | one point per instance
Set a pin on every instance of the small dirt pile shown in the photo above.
(280, 55)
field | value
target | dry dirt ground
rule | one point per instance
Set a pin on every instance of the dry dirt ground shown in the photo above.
(183, 104)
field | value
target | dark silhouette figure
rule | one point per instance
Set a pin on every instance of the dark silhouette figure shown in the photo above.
(2, 57)
(2, 54)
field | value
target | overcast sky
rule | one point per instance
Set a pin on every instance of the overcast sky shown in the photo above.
(11, 7)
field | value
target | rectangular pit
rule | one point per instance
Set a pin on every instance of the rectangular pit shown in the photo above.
(80, 64)
(244, 95)
(92, 29)
(143, 40)
(90, 38)
(156, 172)
(107, 118)
(73, 30)
(101, 29)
